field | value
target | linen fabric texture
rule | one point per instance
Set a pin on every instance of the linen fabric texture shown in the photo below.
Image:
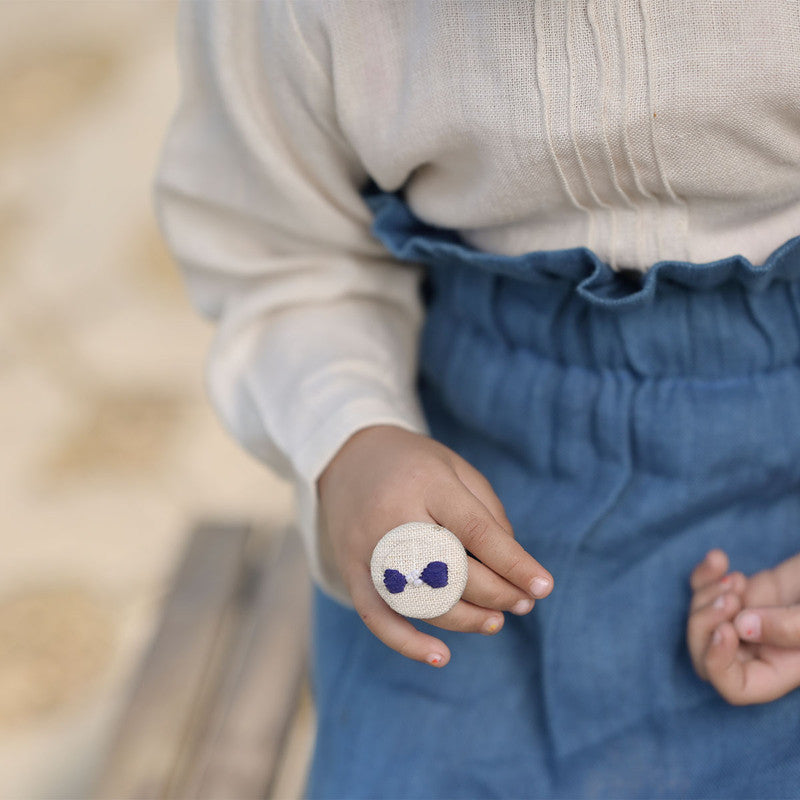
(409, 549)
(644, 132)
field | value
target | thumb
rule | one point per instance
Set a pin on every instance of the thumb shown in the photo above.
(778, 625)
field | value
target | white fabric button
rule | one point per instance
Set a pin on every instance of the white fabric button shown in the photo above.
(420, 569)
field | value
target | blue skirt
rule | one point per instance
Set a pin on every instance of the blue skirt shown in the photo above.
(629, 423)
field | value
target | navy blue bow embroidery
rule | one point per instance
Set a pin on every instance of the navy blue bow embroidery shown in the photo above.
(435, 575)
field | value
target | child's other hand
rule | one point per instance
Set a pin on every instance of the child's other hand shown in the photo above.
(384, 476)
(744, 633)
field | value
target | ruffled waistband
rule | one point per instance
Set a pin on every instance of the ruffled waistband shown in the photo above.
(410, 239)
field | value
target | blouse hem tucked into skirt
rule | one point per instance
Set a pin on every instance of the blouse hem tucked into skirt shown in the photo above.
(410, 239)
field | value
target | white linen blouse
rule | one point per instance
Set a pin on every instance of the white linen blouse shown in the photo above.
(641, 129)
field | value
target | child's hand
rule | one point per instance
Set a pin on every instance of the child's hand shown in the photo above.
(744, 633)
(384, 476)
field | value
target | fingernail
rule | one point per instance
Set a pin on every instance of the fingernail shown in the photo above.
(492, 625)
(522, 607)
(435, 660)
(720, 601)
(716, 637)
(749, 626)
(540, 586)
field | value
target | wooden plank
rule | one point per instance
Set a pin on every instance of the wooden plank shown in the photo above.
(219, 689)
(298, 749)
(181, 667)
(245, 738)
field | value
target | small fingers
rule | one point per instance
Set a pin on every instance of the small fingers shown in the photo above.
(487, 589)
(725, 670)
(394, 630)
(743, 677)
(467, 517)
(709, 570)
(732, 582)
(702, 624)
(468, 618)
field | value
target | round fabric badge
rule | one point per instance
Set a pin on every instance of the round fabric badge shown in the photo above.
(420, 569)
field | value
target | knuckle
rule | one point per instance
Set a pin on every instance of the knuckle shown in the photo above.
(476, 532)
(514, 564)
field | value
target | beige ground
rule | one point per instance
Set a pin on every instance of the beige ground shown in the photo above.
(109, 448)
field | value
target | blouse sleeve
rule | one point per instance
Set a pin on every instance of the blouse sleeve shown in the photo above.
(257, 195)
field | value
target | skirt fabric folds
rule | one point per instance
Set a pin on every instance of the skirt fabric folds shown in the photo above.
(628, 423)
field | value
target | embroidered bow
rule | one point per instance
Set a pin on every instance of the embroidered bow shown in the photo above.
(435, 575)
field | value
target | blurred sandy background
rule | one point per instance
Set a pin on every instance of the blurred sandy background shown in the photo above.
(109, 449)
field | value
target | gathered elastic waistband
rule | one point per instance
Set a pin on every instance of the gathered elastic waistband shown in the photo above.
(718, 319)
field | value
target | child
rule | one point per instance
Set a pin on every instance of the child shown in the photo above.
(530, 271)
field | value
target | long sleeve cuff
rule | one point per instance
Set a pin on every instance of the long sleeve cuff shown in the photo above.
(358, 414)
(358, 370)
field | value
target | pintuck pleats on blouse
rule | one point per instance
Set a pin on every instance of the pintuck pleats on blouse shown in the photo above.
(631, 133)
